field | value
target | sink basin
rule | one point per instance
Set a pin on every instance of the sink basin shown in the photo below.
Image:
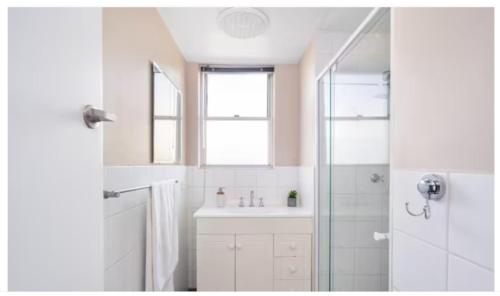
(270, 212)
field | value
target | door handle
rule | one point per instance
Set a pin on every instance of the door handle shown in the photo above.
(93, 116)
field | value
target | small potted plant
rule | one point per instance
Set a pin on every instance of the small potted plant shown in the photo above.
(292, 198)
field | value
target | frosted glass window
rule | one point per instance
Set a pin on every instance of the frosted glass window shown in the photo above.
(361, 142)
(165, 141)
(360, 95)
(242, 94)
(237, 118)
(237, 142)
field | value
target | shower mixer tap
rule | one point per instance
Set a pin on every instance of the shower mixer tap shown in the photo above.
(375, 178)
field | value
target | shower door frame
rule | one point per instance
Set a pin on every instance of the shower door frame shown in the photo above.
(366, 25)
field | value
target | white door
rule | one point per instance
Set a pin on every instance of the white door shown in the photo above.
(215, 262)
(254, 262)
(55, 161)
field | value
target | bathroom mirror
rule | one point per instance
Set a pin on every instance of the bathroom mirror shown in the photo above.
(166, 118)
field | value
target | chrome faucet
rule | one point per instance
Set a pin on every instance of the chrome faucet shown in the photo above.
(252, 196)
(241, 204)
(261, 202)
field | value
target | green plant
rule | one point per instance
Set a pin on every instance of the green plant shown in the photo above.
(292, 194)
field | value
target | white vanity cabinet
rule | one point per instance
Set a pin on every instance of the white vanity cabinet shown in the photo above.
(215, 260)
(254, 254)
(292, 262)
(254, 262)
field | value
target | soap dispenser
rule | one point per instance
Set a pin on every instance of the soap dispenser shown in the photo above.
(220, 198)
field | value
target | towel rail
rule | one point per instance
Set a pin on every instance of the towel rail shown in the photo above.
(116, 194)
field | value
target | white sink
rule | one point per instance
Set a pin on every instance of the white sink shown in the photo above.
(270, 212)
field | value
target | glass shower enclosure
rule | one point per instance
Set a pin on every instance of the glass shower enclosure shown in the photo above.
(353, 162)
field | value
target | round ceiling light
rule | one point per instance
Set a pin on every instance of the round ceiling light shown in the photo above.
(243, 22)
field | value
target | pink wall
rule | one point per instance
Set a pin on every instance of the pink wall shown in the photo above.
(135, 36)
(307, 69)
(132, 38)
(442, 87)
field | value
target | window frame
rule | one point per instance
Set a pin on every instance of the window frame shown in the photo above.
(177, 118)
(204, 118)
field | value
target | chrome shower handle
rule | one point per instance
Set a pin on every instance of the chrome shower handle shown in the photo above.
(376, 178)
(379, 236)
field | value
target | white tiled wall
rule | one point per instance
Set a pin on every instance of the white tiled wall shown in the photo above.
(359, 207)
(453, 250)
(306, 186)
(272, 185)
(125, 225)
(125, 217)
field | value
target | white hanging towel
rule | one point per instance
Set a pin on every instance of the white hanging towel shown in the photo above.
(162, 237)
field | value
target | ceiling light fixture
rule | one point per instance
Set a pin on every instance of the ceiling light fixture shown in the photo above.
(243, 22)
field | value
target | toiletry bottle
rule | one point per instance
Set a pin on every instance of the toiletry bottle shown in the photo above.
(220, 198)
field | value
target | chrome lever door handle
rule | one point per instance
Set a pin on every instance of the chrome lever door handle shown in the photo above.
(93, 116)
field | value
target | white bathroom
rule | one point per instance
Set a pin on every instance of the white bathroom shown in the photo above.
(303, 146)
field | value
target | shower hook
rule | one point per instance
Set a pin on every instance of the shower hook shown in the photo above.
(431, 187)
(426, 210)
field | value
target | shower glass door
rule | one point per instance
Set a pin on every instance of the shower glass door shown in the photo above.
(353, 168)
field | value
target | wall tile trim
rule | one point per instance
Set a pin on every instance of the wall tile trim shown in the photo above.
(461, 227)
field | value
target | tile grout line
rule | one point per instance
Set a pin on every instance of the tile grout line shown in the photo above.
(121, 258)
(421, 240)
(471, 262)
(126, 210)
(447, 227)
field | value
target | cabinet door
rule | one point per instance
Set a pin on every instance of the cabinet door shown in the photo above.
(254, 262)
(215, 262)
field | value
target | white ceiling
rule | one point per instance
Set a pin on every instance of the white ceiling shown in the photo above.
(291, 29)
(343, 19)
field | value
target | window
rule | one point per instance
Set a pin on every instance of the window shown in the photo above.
(166, 119)
(237, 116)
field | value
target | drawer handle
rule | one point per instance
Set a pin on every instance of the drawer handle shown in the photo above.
(230, 246)
(292, 269)
(293, 246)
(238, 246)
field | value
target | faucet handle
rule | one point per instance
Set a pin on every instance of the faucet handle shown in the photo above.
(261, 202)
(241, 204)
(252, 196)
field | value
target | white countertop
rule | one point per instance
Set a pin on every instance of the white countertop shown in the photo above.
(246, 212)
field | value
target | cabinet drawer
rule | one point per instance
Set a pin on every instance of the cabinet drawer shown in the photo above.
(292, 245)
(292, 285)
(292, 268)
